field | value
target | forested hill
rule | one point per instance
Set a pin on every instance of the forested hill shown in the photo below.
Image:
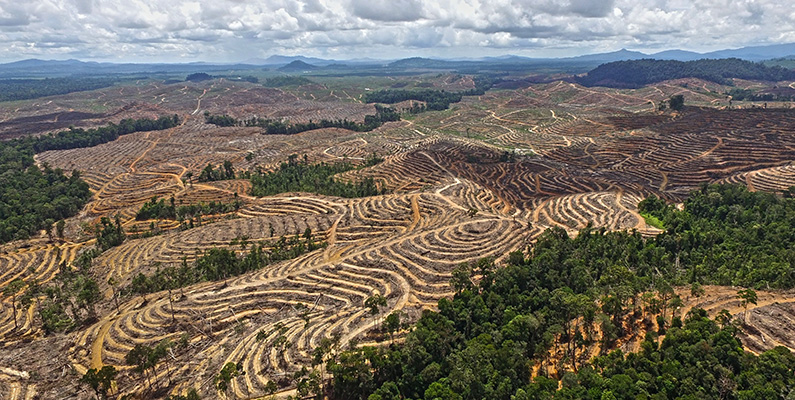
(636, 73)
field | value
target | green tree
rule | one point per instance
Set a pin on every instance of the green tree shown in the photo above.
(374, 304)
(746, 296)
(100, 380)
(224, 378)
(676, 102)
(696, 290)
(139, 358)
(392, 323)
(59, 228)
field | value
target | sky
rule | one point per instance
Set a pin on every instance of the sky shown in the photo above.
(239, 30)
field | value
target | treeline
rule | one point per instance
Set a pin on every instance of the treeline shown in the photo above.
(435, 100)
(599, 286)
(300, 176)
(217, 264)
(278, 127)
(158, 209)
(79, 137)
(636, 73)
(23, 89)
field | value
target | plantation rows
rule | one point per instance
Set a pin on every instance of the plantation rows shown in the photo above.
(399, 246)
(41, 262)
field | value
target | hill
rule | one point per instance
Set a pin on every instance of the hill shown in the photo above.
(297, 66)
(637, 73)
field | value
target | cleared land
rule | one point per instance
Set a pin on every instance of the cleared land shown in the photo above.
(483, 178)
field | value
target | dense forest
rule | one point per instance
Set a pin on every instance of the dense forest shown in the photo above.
(23, 89)
(278, 127)
(301, 176)
(33, 198)
(636, 73)
(570, 292)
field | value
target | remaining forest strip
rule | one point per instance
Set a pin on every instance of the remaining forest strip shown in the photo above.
(278, 127)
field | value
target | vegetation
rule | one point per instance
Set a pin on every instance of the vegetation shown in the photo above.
(210, 174)
(636, 73)
(281, 81)
(68, 301)
(31, 198)
(158, 209)
(502, 321)
(676, 102)
(100, 380)
(652, 220)
(300, 176)
(23, 89)
(276, 127)
(109, 234)
(145, 359)
(220, 264)
(435, 100)
(728, 236)
(198, 77)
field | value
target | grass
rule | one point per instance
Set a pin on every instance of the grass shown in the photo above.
(653, 221)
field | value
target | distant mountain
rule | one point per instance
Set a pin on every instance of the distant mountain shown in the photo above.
(284, 60)
(677, 55)
(620, 55)
(420, 62)
(755, 53)
(297, 66)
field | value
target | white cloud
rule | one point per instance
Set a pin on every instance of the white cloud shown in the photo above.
(231, 30)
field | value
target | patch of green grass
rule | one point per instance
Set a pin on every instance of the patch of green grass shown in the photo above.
(653, 221)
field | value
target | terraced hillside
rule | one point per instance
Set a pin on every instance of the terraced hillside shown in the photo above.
(481, 179)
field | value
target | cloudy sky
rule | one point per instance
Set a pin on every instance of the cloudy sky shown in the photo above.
(235, 30)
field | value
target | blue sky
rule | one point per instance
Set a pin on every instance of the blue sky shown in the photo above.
(236, 30)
